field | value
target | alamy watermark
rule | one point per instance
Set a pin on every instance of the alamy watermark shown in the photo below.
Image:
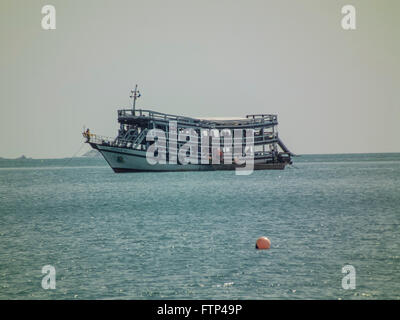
(49, 20)
(49, 280)
(349, 280)
(349, 20)
(184, 147)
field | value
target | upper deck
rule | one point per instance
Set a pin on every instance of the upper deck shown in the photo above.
(144, 118)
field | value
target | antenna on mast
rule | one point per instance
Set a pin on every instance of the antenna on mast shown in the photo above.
(134, 94)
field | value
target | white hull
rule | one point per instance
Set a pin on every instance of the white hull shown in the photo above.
(130, 160)
(125, 160)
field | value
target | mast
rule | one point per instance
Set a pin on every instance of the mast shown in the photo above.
(134, 94)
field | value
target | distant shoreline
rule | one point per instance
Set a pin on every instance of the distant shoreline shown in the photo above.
(91, 155)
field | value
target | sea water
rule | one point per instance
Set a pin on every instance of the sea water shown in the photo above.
(191, 235)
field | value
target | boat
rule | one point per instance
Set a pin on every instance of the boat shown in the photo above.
(148, 140)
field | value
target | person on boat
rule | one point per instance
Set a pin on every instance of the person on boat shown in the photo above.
(221, 156)
(87, 134)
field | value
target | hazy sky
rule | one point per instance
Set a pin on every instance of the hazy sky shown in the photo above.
(334, 91)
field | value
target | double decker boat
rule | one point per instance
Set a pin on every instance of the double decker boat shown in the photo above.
(213, 144)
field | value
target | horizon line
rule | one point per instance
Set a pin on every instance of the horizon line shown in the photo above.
(297, 155)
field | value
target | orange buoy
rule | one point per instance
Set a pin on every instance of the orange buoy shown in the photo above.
(263, 243)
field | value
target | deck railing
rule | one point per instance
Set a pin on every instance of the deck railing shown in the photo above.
(154, 115)
(268, 119)
(103, 140)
